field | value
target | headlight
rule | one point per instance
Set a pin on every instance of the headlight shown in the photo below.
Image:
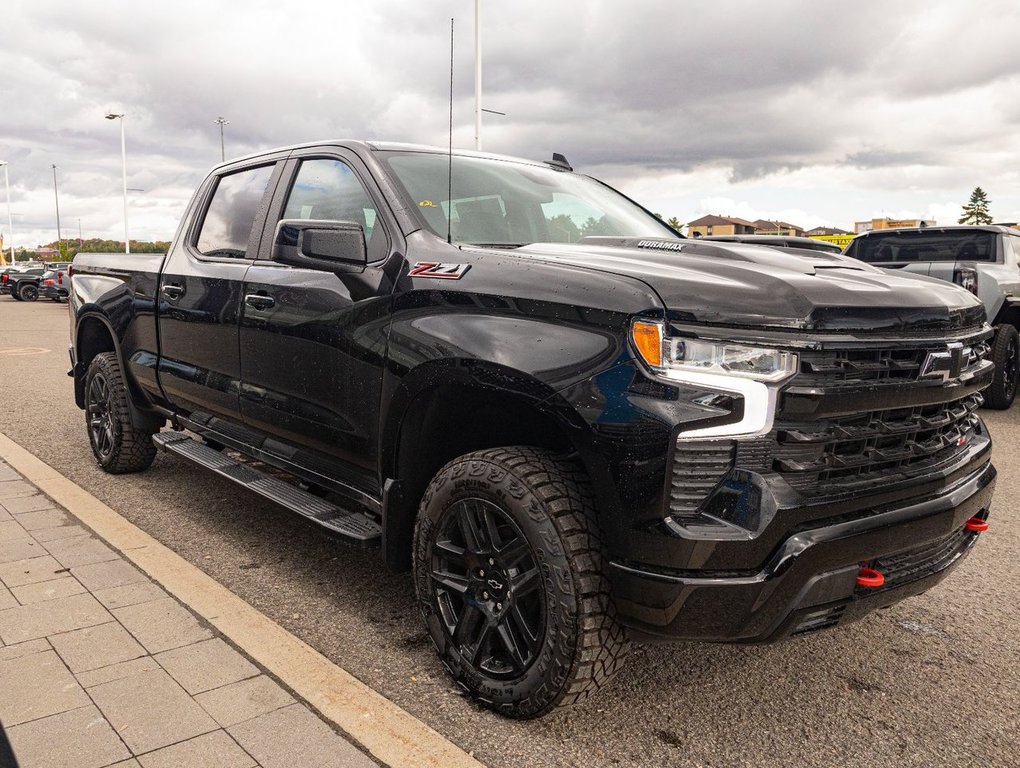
(721, 358)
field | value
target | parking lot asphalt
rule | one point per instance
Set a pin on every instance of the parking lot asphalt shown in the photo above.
(934, 680)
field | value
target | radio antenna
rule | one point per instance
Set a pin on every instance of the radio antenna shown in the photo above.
(449, 167)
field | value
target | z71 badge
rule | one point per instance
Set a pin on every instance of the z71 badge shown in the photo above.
(441, 271)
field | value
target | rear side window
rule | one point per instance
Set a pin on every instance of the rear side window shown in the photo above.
(905, 247)
(231, 213)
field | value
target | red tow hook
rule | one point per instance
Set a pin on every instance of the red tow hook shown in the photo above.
(869, 577)
(976, 524)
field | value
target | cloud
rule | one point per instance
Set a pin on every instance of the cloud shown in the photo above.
(796, 106)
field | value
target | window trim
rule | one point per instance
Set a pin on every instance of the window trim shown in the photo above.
(383, 213)
(207, 195)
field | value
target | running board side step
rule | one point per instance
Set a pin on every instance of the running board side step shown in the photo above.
(357, 527)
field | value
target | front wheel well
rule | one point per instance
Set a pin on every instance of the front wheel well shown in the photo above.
(448, 422)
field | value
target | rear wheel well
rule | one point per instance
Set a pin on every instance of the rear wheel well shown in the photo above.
(448, 422)
(93, 338)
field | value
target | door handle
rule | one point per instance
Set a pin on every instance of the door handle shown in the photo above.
(172, 291)
(259, 301)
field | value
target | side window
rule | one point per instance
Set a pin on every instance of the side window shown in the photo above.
(231, 213)
(329, 190)
(1012, 250)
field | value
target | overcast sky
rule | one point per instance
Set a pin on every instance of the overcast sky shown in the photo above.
(813, 112)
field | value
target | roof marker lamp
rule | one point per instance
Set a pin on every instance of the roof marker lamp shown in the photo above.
(679, 355)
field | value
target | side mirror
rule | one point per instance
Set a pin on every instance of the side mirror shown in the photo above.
(325, 245)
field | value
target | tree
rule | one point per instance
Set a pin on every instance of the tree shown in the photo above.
(595, 226)
(976, 210)
(674, 222)
(562, 229)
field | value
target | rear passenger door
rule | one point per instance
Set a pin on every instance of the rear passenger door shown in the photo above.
(313, 342)
(200, 291)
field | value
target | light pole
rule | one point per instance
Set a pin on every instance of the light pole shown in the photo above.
(222, 122)
(56, 199)
(123, 160)
(478, 75)
(10, 222)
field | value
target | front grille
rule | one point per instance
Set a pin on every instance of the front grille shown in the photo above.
(854, 419)
(921, 561)
(851, 367)
(875, 446)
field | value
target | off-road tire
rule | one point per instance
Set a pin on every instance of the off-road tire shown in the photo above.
(1006, 356)
(546, 503)
(119, 447)
(28, 291)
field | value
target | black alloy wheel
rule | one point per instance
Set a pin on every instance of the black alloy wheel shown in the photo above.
(118, 445)
(510, 579)
(28, 291)
(1006, 356)
(98, 406)
(487, 587)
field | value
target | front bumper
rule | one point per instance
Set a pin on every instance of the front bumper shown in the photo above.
(808, 582)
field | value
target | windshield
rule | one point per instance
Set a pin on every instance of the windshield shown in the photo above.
(904, 247)
(509, 204)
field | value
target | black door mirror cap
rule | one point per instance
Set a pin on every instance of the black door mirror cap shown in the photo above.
(325, 245)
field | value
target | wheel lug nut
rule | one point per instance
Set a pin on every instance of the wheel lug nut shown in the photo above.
(492, 561)
(499, 606)
(481, 572)
(485, 595)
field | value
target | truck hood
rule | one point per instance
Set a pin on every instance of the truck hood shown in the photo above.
(734, 284)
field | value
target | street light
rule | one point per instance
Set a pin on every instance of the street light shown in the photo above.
(222, 122)
(123, 159)
(56, 200)
(478, 75)
(10, 223)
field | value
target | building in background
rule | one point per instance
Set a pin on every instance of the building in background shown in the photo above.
(766, 227)
(719, 225)
(824, 231)
(867, 226)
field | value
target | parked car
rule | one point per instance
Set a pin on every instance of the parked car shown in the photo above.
(778, 241)
(53, 284)
(569, 444)
(21, 284)
(985, 260)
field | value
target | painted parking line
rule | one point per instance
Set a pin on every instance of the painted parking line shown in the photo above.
(18, 351)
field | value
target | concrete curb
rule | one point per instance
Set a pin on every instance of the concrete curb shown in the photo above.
(390, 734)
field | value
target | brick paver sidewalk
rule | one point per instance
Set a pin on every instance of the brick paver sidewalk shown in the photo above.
(100, 667)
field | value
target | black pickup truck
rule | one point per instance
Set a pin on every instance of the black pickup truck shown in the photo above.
(574, 426)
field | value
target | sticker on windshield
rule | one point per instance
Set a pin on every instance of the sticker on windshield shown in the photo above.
(437, 270)
(427, 204)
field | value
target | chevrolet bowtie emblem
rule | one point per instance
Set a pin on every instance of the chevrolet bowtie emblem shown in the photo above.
(943, 365)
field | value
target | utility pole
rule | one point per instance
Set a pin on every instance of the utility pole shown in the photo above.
(56, 199)
(478, 74)
(123, 165)
(10, 223)
(223, 151)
